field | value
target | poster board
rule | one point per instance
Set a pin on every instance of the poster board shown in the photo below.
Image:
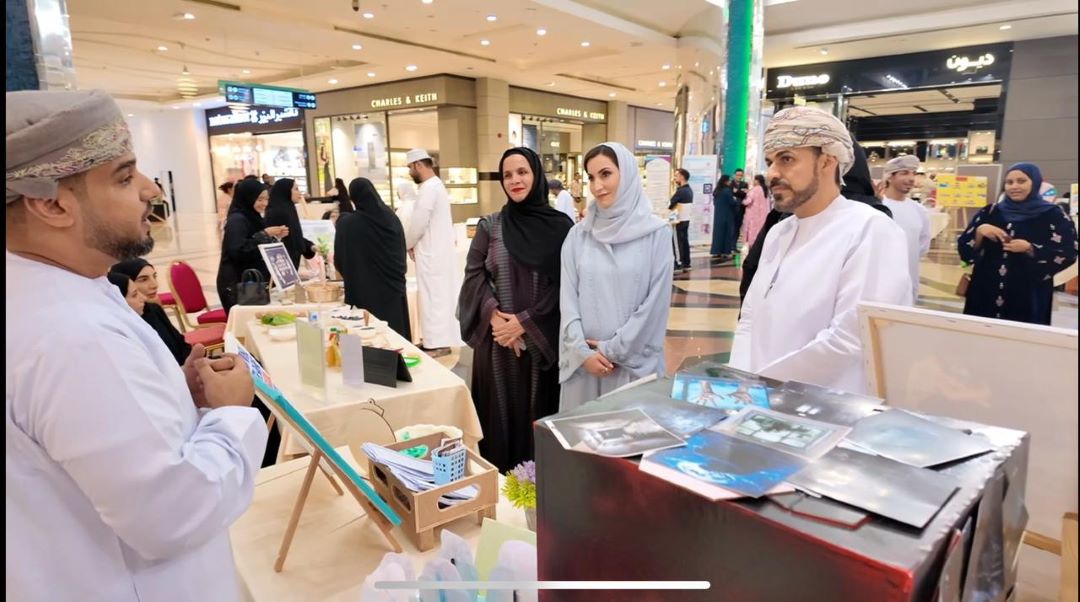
(961, 191)
(702, 170)
(281, 267)
(658, 183)
(1007, 374)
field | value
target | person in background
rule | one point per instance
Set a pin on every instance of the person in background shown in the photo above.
(740, 187)
(281, 211)
(342, 196)
(757, 209)
(616, 284)
(509, 311)
(124, 470)
(224, 199)
(680, 202)
(268, 180)
(1017, 246)
(152, 314)
(564, 202)
(899, 176)
(576, 188)
(431, 239)
(799, 320)
(142, 275)
(245, 230)
(724, 233)
(369, 253)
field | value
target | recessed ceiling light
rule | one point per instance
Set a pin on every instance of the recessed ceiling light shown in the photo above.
(824, 51)
(357, 47)
(371, 74)
(551, 84)
(485, 42)
(368, 15)
(585, 44)
(184, 17)
(665, 67)
(331, 81)
(611, 94)
(697, 64)
(176, 108)
(198, 104)
(410, 68)
(662, 84)
(1004, 27)
(162, 48)
(492, 18)
(131, 114)
(426, 1)
(246, 71)
(541, 32)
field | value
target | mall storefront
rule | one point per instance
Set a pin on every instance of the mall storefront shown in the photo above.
(257, 140)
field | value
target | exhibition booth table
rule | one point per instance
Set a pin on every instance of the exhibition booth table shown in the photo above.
(605, 518)
(342, 412)
(335, 546)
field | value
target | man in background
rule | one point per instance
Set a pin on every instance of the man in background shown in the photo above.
(680, 202)
(563, 201)
(899, 177)
(431, 241)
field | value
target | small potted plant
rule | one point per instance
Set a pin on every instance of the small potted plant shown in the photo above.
(520, 489)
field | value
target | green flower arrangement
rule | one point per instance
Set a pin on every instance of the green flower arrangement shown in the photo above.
(520, 486)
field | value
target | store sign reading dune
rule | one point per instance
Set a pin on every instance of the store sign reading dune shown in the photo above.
(254, 117)
(962, 64)
(579, 113)
(404, 101)
(791, 81)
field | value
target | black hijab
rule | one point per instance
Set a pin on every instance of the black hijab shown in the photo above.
(380, 228)
(153, 314)
(121, 281)
(533, 231)
(282, 212)
(245, 194)
(342, 196)
(130, 268)
(858, 185)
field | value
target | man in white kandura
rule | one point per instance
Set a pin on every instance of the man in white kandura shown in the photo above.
(911, 216)
(124, 470)
(430, 237)
(798, 320)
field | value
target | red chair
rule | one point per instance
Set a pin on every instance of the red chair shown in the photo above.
(212, 337)
(187, 293)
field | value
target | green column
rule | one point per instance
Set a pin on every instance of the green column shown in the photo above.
(740, 38)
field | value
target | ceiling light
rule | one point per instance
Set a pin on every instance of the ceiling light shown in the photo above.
(184, 17)
(185, 71)
(410, 68)
(331, 81)
(611, 94)
(357, 47)
(162, 48)
(824, 51)
(246, 71)
(176, 108)
(368, 15)
(485, 42)
(198, 104)
(426, 1)
(1004, 27)
(371, 74)
(662, 84)
(665, 67)
(541, 32)
(131, 114)
(492, 18)
(585, 44)
(551, 84)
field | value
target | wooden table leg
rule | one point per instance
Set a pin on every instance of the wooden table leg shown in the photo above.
(298, 507)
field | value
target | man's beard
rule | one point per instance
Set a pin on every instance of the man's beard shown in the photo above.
(415, 177)
(113, 244)
(794, 198)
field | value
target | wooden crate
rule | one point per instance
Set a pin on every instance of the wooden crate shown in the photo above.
(420, 512)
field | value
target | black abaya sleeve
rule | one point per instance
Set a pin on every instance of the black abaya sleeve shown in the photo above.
(477, 300)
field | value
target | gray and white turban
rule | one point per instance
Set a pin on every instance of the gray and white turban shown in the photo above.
(901, 163)
(54, 135)
(796, 127)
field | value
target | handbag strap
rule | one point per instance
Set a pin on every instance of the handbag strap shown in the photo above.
(249, 272)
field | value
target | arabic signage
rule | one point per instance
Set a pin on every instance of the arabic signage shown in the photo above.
(267, 96)
(255, 120)
(959, 66)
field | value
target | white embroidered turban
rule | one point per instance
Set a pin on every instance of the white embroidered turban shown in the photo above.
(902, 163)
(796, 127)
(53, 135)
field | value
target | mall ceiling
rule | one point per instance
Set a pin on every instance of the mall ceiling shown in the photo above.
(603, 49)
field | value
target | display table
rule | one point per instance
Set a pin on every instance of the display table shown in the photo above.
(436, 395)
(603, 519)
(335, 547)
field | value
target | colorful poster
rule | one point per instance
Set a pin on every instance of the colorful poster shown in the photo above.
(961, 191)
(702, 170)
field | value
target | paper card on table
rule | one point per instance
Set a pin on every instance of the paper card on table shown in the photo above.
(311, 354)
(783, 432)
(887, 488)
(914, 440)
(713, 464)
(352, 359)
(493, 534)
(618, 434)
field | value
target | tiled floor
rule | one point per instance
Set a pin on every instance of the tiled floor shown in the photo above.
(704, 313)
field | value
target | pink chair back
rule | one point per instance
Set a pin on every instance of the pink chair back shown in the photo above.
(187, 287)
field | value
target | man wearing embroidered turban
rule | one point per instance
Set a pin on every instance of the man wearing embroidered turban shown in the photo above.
(798, 320)
(909, 215)
(124, 470)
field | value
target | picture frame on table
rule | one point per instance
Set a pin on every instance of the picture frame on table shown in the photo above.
(281, 267)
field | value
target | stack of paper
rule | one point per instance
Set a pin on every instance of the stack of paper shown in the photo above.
(418, 475)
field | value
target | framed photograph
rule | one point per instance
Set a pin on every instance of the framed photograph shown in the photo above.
(784, 432)
(280, 265)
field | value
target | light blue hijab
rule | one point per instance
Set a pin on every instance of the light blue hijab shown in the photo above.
(631, 217)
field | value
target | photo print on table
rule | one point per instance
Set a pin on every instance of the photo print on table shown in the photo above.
(730, 396)
(618, 434)
(914, 440)
(792, 434)
(825, 405)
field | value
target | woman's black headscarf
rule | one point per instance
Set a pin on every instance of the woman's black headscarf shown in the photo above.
(533, 231)
(342, 196)
(243, 202)
(121, 281)
(282, 212)
(380, 227)
(130, 267)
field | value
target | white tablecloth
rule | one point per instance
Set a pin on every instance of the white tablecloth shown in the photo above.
(436, 395)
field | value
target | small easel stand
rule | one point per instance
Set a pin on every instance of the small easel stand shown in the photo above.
(301, 497)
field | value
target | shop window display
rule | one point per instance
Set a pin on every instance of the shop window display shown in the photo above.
(280, 155)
